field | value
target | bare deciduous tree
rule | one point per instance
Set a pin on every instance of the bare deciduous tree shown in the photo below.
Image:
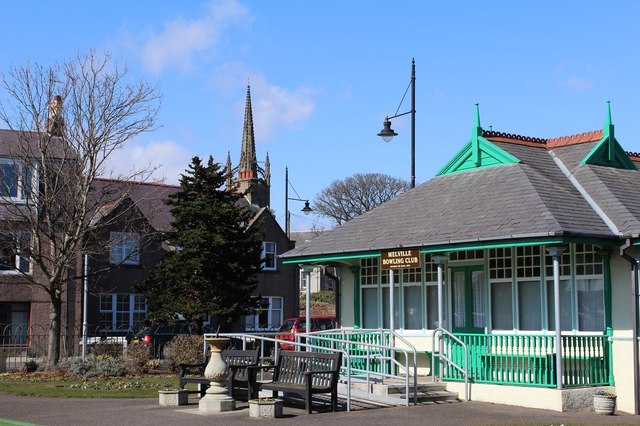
(345, 199)
(65, 122)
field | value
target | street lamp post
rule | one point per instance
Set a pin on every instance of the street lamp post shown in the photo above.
(306, 209)
(387, 132)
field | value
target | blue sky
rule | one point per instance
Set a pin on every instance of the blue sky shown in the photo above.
(325, 73)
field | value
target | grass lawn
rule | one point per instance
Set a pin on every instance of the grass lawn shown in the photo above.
(72, 386)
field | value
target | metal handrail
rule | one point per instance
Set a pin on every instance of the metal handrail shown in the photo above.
(379, 348)
(465, 371)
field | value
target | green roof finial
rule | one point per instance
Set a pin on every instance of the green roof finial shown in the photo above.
(476, 133)
(607, 132)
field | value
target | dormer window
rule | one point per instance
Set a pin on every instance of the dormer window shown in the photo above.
(16, 181)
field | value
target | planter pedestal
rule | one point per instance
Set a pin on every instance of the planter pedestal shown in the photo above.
(265, 408)
(217, 399)
(604, 404)
(173, 397)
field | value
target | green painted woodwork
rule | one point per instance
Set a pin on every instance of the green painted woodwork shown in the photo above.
(529, 360)
(330, 258)
(466, 277)
(606, 275)
(477, 153)
(357, 320)
(608, 152)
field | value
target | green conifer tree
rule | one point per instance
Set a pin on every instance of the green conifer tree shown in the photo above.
(217, 252)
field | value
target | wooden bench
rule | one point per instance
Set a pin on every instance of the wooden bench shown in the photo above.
(237, 361)
(302, 373)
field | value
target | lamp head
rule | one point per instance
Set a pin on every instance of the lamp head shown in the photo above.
(306, 209)
(387, 132)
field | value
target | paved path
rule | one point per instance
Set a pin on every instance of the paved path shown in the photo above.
(141, 412)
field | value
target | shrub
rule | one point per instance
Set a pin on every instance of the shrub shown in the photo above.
(184, 349)
(29, 366)
(136, 359)
(110, 349)
(77, 365)
(109, 366)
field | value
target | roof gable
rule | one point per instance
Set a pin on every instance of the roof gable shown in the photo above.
(608, 152)
(478, 153)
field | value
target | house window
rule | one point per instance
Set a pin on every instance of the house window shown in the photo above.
(125, 248)
(589, 288)
(14, 248)
(14, 323)
(500, 281)
(269, 317)
(16, 181)
(122, 311)
(303, 281)
(269, 254)
(369, 286)
(431, 292)
(466, 255)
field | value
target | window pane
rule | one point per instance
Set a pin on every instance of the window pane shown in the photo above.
(385, 307)
(590, 304)
(412, 307)
(565, 306)
(432, 306)
(501, 306)
(477, 285)
(529, 305)
(8, 180)
(459, 314)
(370, 307)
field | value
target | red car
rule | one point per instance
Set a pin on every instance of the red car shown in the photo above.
(291, 326)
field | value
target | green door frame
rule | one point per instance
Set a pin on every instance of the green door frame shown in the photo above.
(468, 272)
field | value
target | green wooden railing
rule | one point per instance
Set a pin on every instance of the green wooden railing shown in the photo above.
(360, 347)
(529, 360)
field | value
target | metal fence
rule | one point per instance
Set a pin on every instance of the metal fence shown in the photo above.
(20, 343)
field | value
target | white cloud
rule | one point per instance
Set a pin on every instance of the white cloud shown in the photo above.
(168, 158)
(578, 83)
(181, 39)
(274, 107)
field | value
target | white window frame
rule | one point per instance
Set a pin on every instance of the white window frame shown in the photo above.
(275, 316)
(269, 252)
(111, 310)
(125, 248)
(21, 264)
(21, 193)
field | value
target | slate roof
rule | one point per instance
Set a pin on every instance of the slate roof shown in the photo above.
(533, 198)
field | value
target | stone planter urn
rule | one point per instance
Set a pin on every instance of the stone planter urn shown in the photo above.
(173, 397)
(265, 408)
(217, 399)
(604, 403)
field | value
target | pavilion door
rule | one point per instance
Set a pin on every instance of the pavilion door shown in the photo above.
(468, 301)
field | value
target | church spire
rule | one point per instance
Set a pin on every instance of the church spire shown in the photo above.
(248, 168)
(228, 169)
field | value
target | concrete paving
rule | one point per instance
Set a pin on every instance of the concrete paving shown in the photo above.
(141, 412)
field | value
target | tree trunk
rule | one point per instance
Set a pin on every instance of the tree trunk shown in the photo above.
(53, 350)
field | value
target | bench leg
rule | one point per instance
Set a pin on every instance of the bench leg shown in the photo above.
(275, 394)
(334, 401)
(308, 399)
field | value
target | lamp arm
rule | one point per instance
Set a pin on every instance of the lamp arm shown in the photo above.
(298, 199)
(399, 115)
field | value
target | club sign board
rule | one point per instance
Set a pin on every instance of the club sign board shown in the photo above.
(400, 259)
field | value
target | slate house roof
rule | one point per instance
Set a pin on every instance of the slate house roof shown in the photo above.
(549, 193)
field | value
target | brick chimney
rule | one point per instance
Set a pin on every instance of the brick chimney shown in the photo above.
(55, 122)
